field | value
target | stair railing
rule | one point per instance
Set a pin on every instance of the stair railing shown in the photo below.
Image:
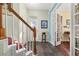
(9, 6)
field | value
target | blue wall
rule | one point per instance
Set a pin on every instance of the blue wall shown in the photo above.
(49, 21)
(52, 24)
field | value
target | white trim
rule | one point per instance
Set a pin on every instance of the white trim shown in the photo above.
(51, 43)
(65, 40)
(72, 40)
(28, 53)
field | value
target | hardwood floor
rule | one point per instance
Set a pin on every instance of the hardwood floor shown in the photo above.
(46, 49)
(64, 48)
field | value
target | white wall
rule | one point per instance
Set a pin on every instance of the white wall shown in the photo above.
(24, 32)
(40, 14)
(23, 28)
(37, 16)
(7, 23)
(14, 27)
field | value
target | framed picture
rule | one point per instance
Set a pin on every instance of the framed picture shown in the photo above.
(44, 24)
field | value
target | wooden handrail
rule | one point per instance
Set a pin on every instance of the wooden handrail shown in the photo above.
(33, 29)
(16, 14)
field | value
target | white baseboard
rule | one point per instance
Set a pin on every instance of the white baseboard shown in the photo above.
(51, 43)
(41, 40)
(37, 40)
(65, 40)
(28, 53)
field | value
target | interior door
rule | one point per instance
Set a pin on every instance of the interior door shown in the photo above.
(58, 29)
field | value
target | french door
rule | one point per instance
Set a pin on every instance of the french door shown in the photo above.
(58, 29)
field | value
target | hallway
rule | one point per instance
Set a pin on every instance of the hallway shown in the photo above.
(46, 49)
(21, 24)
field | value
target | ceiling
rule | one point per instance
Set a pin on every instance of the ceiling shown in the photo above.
(39, 6)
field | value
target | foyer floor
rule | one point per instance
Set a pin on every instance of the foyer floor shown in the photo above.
(64, 47)
(46, 49)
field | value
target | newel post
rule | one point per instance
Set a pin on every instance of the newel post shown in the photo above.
(34, 46)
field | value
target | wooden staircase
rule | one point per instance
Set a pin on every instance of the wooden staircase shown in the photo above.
(2, 30)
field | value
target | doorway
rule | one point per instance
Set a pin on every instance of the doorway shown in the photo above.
(63, 17)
